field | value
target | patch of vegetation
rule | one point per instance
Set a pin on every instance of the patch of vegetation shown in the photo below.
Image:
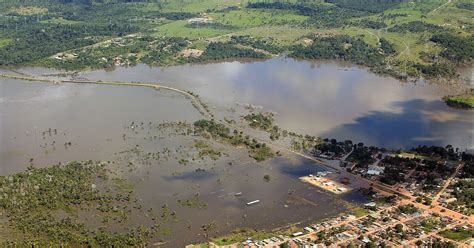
(183, 161)
(374, 6)
(456, 48)
(341, 47)
(194, 202)
(463, 191)
(123, 184)
(319, 14)
(262, 121)
(362, 155)
(333, 146)
(262, 44)
(458, 234)
(465, 5)
(464, 101)
(205, 150)
(266, 178)
(359, 212)
(53, 39)
(30, 199)
(227, 50)
(218, 131)
(415, 27)
(261, 152)
(407, 209)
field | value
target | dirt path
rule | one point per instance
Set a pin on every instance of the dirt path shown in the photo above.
(376, 36)
(441, 6)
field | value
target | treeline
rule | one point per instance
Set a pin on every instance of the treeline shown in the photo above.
(437, 70)
(373, 6)
(458, 49)
(342, 47)
(320, 15)
(415, 27)
(263, 44)
(448, 152)
(387, 47)
(226, 50)
(465, 5)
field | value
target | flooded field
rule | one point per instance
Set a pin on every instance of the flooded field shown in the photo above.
(43, 124)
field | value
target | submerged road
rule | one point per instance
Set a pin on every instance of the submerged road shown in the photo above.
(202, 108)
(198, 105)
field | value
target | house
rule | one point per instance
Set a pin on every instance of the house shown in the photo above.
(370, 204)
(375, 170)
(450, 200)
(366, 240)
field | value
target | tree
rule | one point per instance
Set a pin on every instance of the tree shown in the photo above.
(285, 245)
(266, 178)
(399, 228)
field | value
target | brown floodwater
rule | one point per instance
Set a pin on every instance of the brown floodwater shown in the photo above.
(326, 99)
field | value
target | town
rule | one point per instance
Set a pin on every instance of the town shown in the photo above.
(421, 197)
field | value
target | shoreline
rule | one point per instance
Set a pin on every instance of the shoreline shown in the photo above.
(343, 63)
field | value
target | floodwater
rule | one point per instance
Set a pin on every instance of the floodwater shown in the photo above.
(44, 124)
(323, 98)
(59, 123)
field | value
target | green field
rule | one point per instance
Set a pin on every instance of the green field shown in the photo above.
(459, 234)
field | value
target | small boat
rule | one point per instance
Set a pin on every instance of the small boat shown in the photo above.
(238, 194)
(253, 202)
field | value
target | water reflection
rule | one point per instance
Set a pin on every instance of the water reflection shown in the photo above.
(318, 97)
(418, 123)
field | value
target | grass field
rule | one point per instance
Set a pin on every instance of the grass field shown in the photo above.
(200, 5)
(459, 235)
(179, 29)
(4, 42)
(62, 21)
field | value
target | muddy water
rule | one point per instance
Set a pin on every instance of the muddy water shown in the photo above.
(327, 99)
(91, 118)
(58, 123)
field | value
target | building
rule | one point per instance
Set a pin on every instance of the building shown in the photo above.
(375, 170)
(450, 200)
